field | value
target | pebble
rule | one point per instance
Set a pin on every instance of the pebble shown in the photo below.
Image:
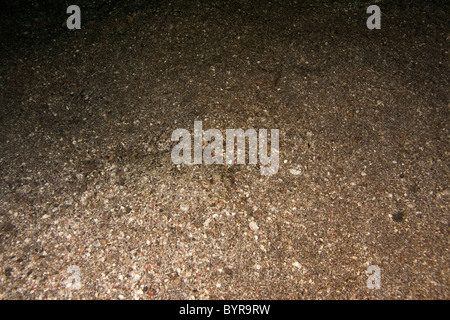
(299, 266)
(207, 222)
(295, 172)
(253, 226)
(85, 198)
(26, 189)
(184, 207)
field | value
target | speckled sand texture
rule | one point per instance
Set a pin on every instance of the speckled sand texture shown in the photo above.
(87, 180)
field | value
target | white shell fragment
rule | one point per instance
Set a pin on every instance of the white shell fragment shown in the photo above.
(253, 226)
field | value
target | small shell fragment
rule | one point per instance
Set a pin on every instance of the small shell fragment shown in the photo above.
(253, 226)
